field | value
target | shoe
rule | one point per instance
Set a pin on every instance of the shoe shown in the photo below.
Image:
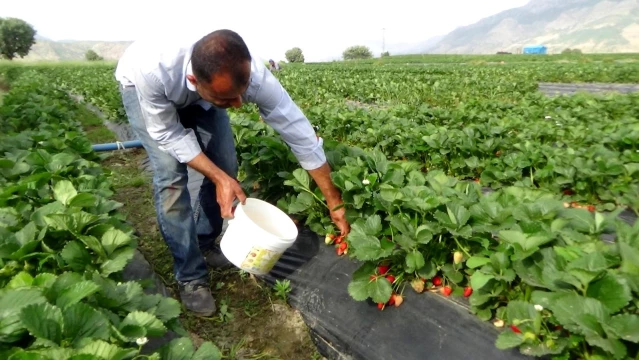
(196, 297)
(215, 259)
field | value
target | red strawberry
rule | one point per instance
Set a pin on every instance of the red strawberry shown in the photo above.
(591, 208)
(515, 329)
(343, 246)
(437, 281)
(569, 192)
(391, 301)
(559, 327)
(390, 278)
(476, 180)
(339, 239)
(468, 291)
(383, 269)
(380, 306)
(447, 290)
(339, 251)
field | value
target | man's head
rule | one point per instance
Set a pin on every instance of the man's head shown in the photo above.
(221, 65)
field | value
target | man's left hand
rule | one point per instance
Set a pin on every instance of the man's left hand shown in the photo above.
(322, 177)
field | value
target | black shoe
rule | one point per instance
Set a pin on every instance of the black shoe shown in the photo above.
(215, 259)
(196, 297)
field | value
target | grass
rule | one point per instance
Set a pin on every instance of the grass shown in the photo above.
(252, 322)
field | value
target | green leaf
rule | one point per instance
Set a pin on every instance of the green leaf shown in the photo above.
(612, 291)
(358, 289)
(113, 239)
(478, 280)
(76, 256)
(302, 202)
(508, 339)
(167, 309)
(207, 351)
(64, 191)
(177, 349)
(302, 177)
(27, 234)
(60, 161)
(75, 293)
(104, 350)
(11, 303)
(414, 261)
(150, 323)
(625, 327)
(21, 279)
(476, 261)
(82, 322)
(43, 321)
(84, 200)
(380, 290)
(118, 261)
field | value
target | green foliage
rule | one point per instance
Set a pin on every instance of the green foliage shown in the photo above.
(357, 52)
(571, 52)
(294, 55)
(91, 55)
(16, 38)
(385, 54)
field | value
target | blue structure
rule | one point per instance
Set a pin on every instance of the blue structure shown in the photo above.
(117, 145)
(535, 49)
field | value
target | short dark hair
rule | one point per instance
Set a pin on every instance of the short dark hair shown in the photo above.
(221, 51)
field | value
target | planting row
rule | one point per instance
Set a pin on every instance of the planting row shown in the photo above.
(63, 244)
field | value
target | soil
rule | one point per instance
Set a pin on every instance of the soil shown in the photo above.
(251, 321)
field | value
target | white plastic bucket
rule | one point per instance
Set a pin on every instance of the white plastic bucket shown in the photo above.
(257, 236)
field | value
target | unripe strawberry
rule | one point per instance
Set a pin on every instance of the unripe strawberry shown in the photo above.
(458, 257)
(329, 239)
(398, 300)
(418, 285)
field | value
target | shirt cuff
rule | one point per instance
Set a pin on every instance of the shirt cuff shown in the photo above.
(314, 159)
(185, 149)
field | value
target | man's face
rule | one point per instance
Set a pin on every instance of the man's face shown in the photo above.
(220, 91)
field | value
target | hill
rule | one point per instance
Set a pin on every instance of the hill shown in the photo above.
(48, 50)
(590, 25)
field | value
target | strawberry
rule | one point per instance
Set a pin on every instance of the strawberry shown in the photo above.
(437, 281)
(398, 300)
(591, 208)
(383, 269)
(569, 192)
(339, 239)
(515, 329)
(458, 257)
(339, 251)
(329, 239)
(390, 278)
(498, 153)
(380, 306)
(468, 291)
(447, 290)
(343, 246)
(476, 180)
(566, 205)
(418, 285)
(391, 301)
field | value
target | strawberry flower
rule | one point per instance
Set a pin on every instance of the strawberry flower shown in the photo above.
(366, 182)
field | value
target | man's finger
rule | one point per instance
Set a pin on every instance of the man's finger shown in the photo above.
(240, 195)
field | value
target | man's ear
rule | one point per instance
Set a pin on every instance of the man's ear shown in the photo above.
(191, 79)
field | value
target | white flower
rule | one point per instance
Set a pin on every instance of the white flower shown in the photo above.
(141, 341)
(539, 307)
(365, 182)
(548, 117)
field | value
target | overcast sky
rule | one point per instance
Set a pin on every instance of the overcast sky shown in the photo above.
(321, 29)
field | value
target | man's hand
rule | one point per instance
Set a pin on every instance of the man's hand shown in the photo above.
(322, 177)
(226, 188)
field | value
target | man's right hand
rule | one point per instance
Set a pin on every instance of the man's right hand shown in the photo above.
(227, 189)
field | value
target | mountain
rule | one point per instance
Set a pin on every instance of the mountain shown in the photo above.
(590, 25)
(45, 49)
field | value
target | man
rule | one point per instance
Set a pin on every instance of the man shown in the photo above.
(274, 65)
(175, 94)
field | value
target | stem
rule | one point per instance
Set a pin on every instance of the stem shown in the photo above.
(317, 198)
(461, 247)
(528, 293)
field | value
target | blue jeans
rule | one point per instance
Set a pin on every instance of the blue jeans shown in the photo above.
(187, 230)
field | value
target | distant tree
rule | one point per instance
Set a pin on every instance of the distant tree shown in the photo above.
(385, 53)
(16, 38)
(357, 52)
(294, 55)
(571, 52)
(92, 56)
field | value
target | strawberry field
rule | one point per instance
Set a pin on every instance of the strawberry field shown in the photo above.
(459, 179)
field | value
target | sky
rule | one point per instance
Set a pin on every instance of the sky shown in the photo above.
(321, 29)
